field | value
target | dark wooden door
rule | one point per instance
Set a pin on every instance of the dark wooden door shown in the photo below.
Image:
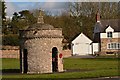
(54, 59)
(25, 61)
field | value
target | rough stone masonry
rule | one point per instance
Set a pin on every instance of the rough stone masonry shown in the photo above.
(37, 45)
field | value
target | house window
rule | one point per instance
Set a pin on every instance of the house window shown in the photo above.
(109, 34)
(109, 46)
(113, 46)
(118, 45)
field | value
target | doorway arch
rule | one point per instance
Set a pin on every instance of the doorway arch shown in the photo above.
(54, 59)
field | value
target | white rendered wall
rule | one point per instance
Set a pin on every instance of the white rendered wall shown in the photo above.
(81, 45)
(95, 47)
(109, 29)
(82, 49)
(115, 35)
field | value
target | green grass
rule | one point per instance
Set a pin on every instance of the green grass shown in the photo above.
(10, 64)
(92, 64)
(89, 68)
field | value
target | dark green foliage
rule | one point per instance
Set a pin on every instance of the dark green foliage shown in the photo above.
(3, 10)
(27, 15)
(72, 26)
(4, 24)
(11, 39)
(65, 22)
(21, 20)
(0, 15)
(119, 9)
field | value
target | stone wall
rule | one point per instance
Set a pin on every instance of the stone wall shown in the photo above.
(41, 33)
(39, 44)
(66, 53)
(15, 53)
(105, 41)
(9, 54)
(40, 54)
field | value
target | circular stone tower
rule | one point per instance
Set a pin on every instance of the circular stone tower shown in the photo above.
(40, 48)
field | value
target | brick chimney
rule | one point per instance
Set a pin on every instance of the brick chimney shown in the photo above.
(98, 17)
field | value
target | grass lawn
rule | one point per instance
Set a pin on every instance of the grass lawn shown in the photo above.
(75, 68)
(10, 64)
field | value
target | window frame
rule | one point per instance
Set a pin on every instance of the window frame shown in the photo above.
(109, 34)
(113, 45)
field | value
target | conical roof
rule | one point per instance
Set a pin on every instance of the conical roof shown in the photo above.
(98, 27)
(40, 26)
(40, 23)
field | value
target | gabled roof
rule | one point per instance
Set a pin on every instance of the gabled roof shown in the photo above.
(109, 28)
(82, 39)
(114, 23)
(103, 24)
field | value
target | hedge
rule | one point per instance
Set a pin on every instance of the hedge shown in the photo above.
(11, 39)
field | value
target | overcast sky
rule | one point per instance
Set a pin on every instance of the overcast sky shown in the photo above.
(52, 5)
(19, 6)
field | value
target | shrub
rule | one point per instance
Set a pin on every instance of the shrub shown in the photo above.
(11, 39)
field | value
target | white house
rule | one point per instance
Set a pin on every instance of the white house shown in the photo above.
(107, 35)
(81, 45)
(106, 39)
(110, 41)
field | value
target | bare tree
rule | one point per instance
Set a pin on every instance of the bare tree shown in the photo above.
(108, 10)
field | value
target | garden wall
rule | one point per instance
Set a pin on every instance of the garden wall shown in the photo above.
(66, 53)
(13, 52)
(9, 53)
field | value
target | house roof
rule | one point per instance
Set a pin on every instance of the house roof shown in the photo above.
(114, 23)
(99, 27)
(82, 38)
(40, 26)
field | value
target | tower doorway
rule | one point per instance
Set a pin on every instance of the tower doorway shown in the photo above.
(25, 60)
(54, 59)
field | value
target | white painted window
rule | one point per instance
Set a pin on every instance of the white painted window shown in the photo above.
(113, 46)
(109, 34)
